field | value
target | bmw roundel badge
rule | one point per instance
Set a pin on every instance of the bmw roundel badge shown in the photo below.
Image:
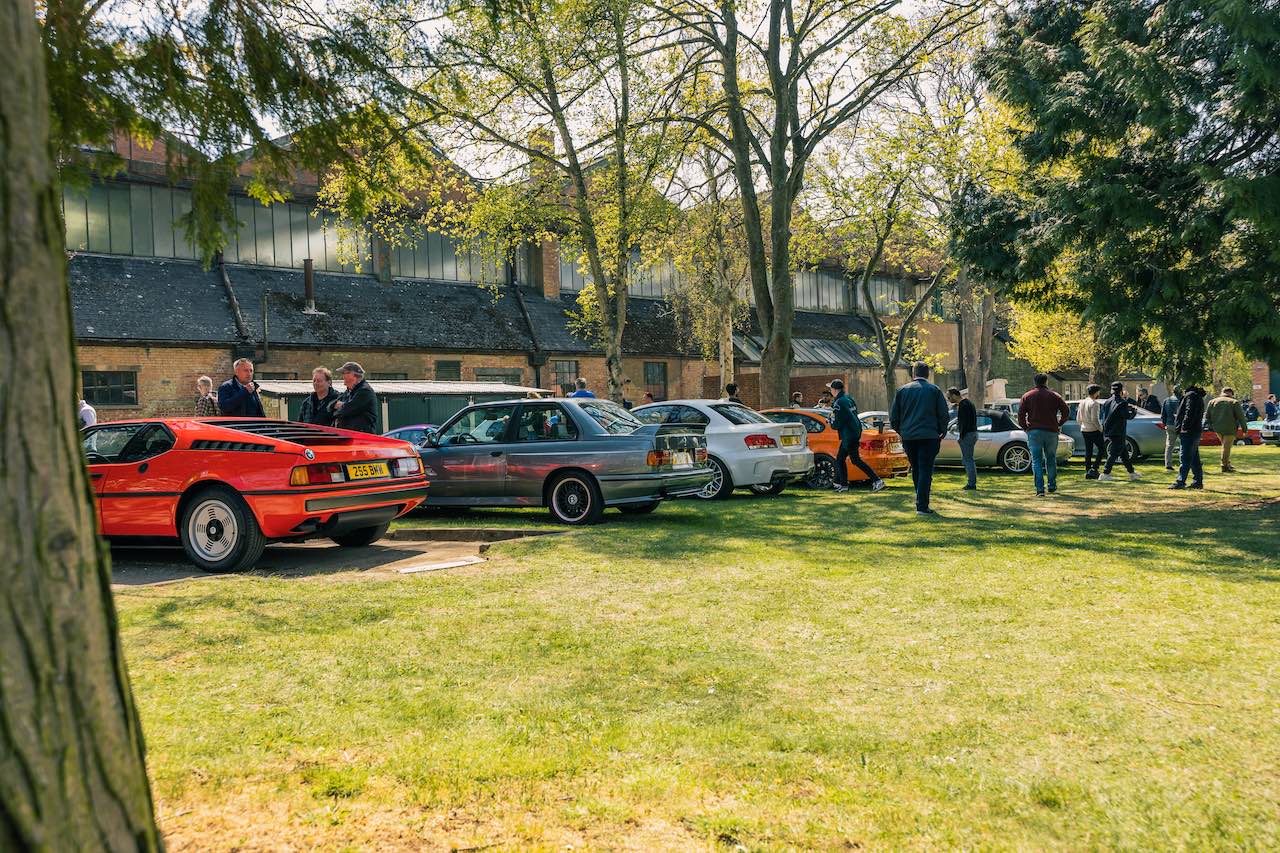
(309, 453)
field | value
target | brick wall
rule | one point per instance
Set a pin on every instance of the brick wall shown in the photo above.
(684, 375)
(415, 364)
(550, 269)
(944, 339)
(166, 375)
(1261, 383)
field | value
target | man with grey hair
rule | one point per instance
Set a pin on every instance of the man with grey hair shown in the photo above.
(206, 400)
(357, 407)
(238, 396)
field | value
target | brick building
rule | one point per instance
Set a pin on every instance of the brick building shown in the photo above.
(150, 319)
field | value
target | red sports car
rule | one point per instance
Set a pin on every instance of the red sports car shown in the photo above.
(225, 487)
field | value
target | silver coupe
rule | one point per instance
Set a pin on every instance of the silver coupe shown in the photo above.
(1001, 444)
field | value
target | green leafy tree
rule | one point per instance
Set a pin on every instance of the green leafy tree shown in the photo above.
(1150, 135)
(212, 79)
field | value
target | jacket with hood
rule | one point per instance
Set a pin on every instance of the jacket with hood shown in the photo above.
(1115, 416)
(1190, 417)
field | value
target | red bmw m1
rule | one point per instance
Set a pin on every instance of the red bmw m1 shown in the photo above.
(225, 487)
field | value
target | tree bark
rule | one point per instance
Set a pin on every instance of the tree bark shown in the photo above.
(977, 320)
(72, 774)
(726, 349)
(1105, 368)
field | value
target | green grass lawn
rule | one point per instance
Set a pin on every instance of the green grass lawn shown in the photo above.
(1096, 670)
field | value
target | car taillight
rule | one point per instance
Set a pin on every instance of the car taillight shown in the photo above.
(757, 441)
(700, 454)
(1160, 424)
(406, 466)
(317, 475)
(658, 458)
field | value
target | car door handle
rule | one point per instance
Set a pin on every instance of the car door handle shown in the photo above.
(142, 469)
(95, 476)
(495, 453)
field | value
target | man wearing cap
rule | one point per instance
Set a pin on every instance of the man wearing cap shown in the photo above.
(357, 407)
(844, 418)
(1115, 415)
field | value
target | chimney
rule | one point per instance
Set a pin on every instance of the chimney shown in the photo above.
(309, 286)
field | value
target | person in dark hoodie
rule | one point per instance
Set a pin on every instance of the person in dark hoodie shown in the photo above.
(1189, 422)
(357, 407)
(318, 407)
(919, 415)
(844, 418)
(1115, 415)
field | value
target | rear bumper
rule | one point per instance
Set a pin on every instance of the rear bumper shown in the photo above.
(290, 514)
(642, 488)
(767, 468)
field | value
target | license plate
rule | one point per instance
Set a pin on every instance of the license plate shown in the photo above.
(895, 448)
(367, 471)
(790, 440)
(681, 459)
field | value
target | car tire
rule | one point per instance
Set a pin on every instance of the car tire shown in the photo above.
(763, 489)
(574, 498)
(219, 532)
(362, 537)
(824, 472)
(721, 485)
(1015, 458)
(639, 509)
(1134, 453)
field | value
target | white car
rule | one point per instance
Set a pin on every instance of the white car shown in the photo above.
(1270, 431)
(746, 449)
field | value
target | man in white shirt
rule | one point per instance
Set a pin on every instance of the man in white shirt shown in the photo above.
(1087, 414)
(88, 417)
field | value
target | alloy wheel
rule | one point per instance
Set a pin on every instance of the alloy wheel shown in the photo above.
(572, 499)
(212, 530)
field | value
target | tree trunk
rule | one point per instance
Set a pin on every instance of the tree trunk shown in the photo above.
(977, 320)
(726, 348)
(72, 774)
(1105, 368)
(889, 373)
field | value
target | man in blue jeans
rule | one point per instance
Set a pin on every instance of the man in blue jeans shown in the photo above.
(1189, 423)
(919, 415)
(967, 429)
(1041, 414)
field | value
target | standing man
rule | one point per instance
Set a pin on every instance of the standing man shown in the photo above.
(318, 407)
(1225, 416)
(1270, 408)
(581, 389)
(797, 400)
(731, 393)
(1041, 414)
(238, 396)
(967, 427)
(1169, 417)
(1116, 413)
(87, 415)
(844, 417)
(206, 400)
(1088, 413)
(1148, 402)
(919, 416)
(357, 407)
(824, 400)
(1189, 423)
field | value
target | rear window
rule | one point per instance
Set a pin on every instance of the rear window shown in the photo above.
(739, 415)
(611, 416)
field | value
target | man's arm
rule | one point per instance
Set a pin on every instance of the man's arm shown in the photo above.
(942, 411)
(359, 404)
(895, 412)
(1064, 412)
(1022, 413)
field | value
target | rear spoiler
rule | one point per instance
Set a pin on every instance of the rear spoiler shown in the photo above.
(671, 429)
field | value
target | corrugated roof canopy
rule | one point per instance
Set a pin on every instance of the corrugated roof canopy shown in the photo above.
(404, 388)
(808, 351)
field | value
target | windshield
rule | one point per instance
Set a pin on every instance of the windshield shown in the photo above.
(739, 415)
(611, 416)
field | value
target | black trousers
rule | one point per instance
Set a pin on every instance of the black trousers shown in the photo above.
(1095, 449)
(922, 452)
(1118, 448)
(849, 450)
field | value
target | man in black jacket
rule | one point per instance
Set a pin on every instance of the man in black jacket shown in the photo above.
(357, 407)
(967, 428)
(238, 396)
(1115, 415)
(1189, 422)
(318, 407)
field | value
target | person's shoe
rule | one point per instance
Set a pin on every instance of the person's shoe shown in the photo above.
(968, 487)
(1134, 475)
(1053, 490)
(1168, 467)
(1196, 486)
(1227, 469)
(1178, 484)
(1091, 474)
(1039, 494)
(877, 486)
(925, 512)
(839, 488)
(1105, 478)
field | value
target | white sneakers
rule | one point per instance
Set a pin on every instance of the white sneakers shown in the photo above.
(1105, 478)
(1134, 475)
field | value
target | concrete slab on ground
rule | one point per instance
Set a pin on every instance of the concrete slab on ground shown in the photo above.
(153, 566)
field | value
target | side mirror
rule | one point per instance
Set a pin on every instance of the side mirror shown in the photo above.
(431, 439)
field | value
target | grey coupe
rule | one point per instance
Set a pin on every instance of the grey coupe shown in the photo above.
(574, 456)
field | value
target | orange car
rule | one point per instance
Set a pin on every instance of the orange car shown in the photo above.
(882, 450)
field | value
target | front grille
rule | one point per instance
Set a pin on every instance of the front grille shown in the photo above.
(245, 446)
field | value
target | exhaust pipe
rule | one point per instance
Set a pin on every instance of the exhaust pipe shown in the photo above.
(309, 285)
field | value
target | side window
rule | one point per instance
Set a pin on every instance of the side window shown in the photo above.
(686, 415)
(812, 425)
(547, 422)
(486, 425)
(984, 423)
(149, 442)
(654, 414)
(104, 445)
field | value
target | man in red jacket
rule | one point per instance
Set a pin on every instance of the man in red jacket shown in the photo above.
(1041, 413)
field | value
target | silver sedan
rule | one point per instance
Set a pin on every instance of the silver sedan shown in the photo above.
(1145, 433)
(1001, 444)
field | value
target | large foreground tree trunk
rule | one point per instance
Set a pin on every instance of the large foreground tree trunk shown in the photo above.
(71, 759)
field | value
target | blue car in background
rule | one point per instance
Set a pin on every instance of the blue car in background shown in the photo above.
(415, 434)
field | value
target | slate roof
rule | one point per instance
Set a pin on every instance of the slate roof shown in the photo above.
(360, 311)
(651, 327)
(115, 298)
